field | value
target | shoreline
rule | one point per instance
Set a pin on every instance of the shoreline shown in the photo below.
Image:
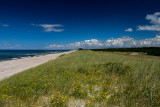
(26, 54)
(11, 67)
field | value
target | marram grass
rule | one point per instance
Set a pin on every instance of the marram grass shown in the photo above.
(85, 78)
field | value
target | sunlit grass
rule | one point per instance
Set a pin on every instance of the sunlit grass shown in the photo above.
(86, 78)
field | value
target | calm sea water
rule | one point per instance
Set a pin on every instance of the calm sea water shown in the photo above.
(19, 54)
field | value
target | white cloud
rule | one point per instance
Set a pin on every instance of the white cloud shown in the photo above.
(129, 30)
(50, 27)
(17, 45)
(154, 21)
(6, 45)
(33, 24)
(149, 28)
(110, 43)
(5, 25)
(55, 46)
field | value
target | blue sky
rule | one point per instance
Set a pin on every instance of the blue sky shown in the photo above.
(64, 24)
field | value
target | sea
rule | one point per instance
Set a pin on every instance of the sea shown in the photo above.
(20, 54)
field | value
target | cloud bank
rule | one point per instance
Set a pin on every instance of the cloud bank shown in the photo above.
(6, 45)
(110, 43)
(154, 21)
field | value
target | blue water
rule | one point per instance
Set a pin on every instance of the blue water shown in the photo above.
(18, 54)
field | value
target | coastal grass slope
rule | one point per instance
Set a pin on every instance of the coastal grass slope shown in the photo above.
(86, 78)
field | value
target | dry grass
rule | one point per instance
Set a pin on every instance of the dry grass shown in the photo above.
(86, 78)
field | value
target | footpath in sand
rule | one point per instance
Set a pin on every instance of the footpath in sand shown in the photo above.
(11, 67)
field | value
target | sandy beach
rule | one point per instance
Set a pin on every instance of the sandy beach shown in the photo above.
(11, 67)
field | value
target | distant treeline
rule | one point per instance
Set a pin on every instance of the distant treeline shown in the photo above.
(149, 50)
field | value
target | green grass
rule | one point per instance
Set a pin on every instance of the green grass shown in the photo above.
(86, 78)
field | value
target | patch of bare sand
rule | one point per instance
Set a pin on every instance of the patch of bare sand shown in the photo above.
(133, 54)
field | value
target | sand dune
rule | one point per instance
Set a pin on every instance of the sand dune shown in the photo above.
(9, 68)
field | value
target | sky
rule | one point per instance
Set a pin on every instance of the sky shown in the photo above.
(73, 24)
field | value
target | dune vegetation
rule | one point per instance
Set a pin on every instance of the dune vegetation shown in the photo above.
(86, 78)
(147, 50)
